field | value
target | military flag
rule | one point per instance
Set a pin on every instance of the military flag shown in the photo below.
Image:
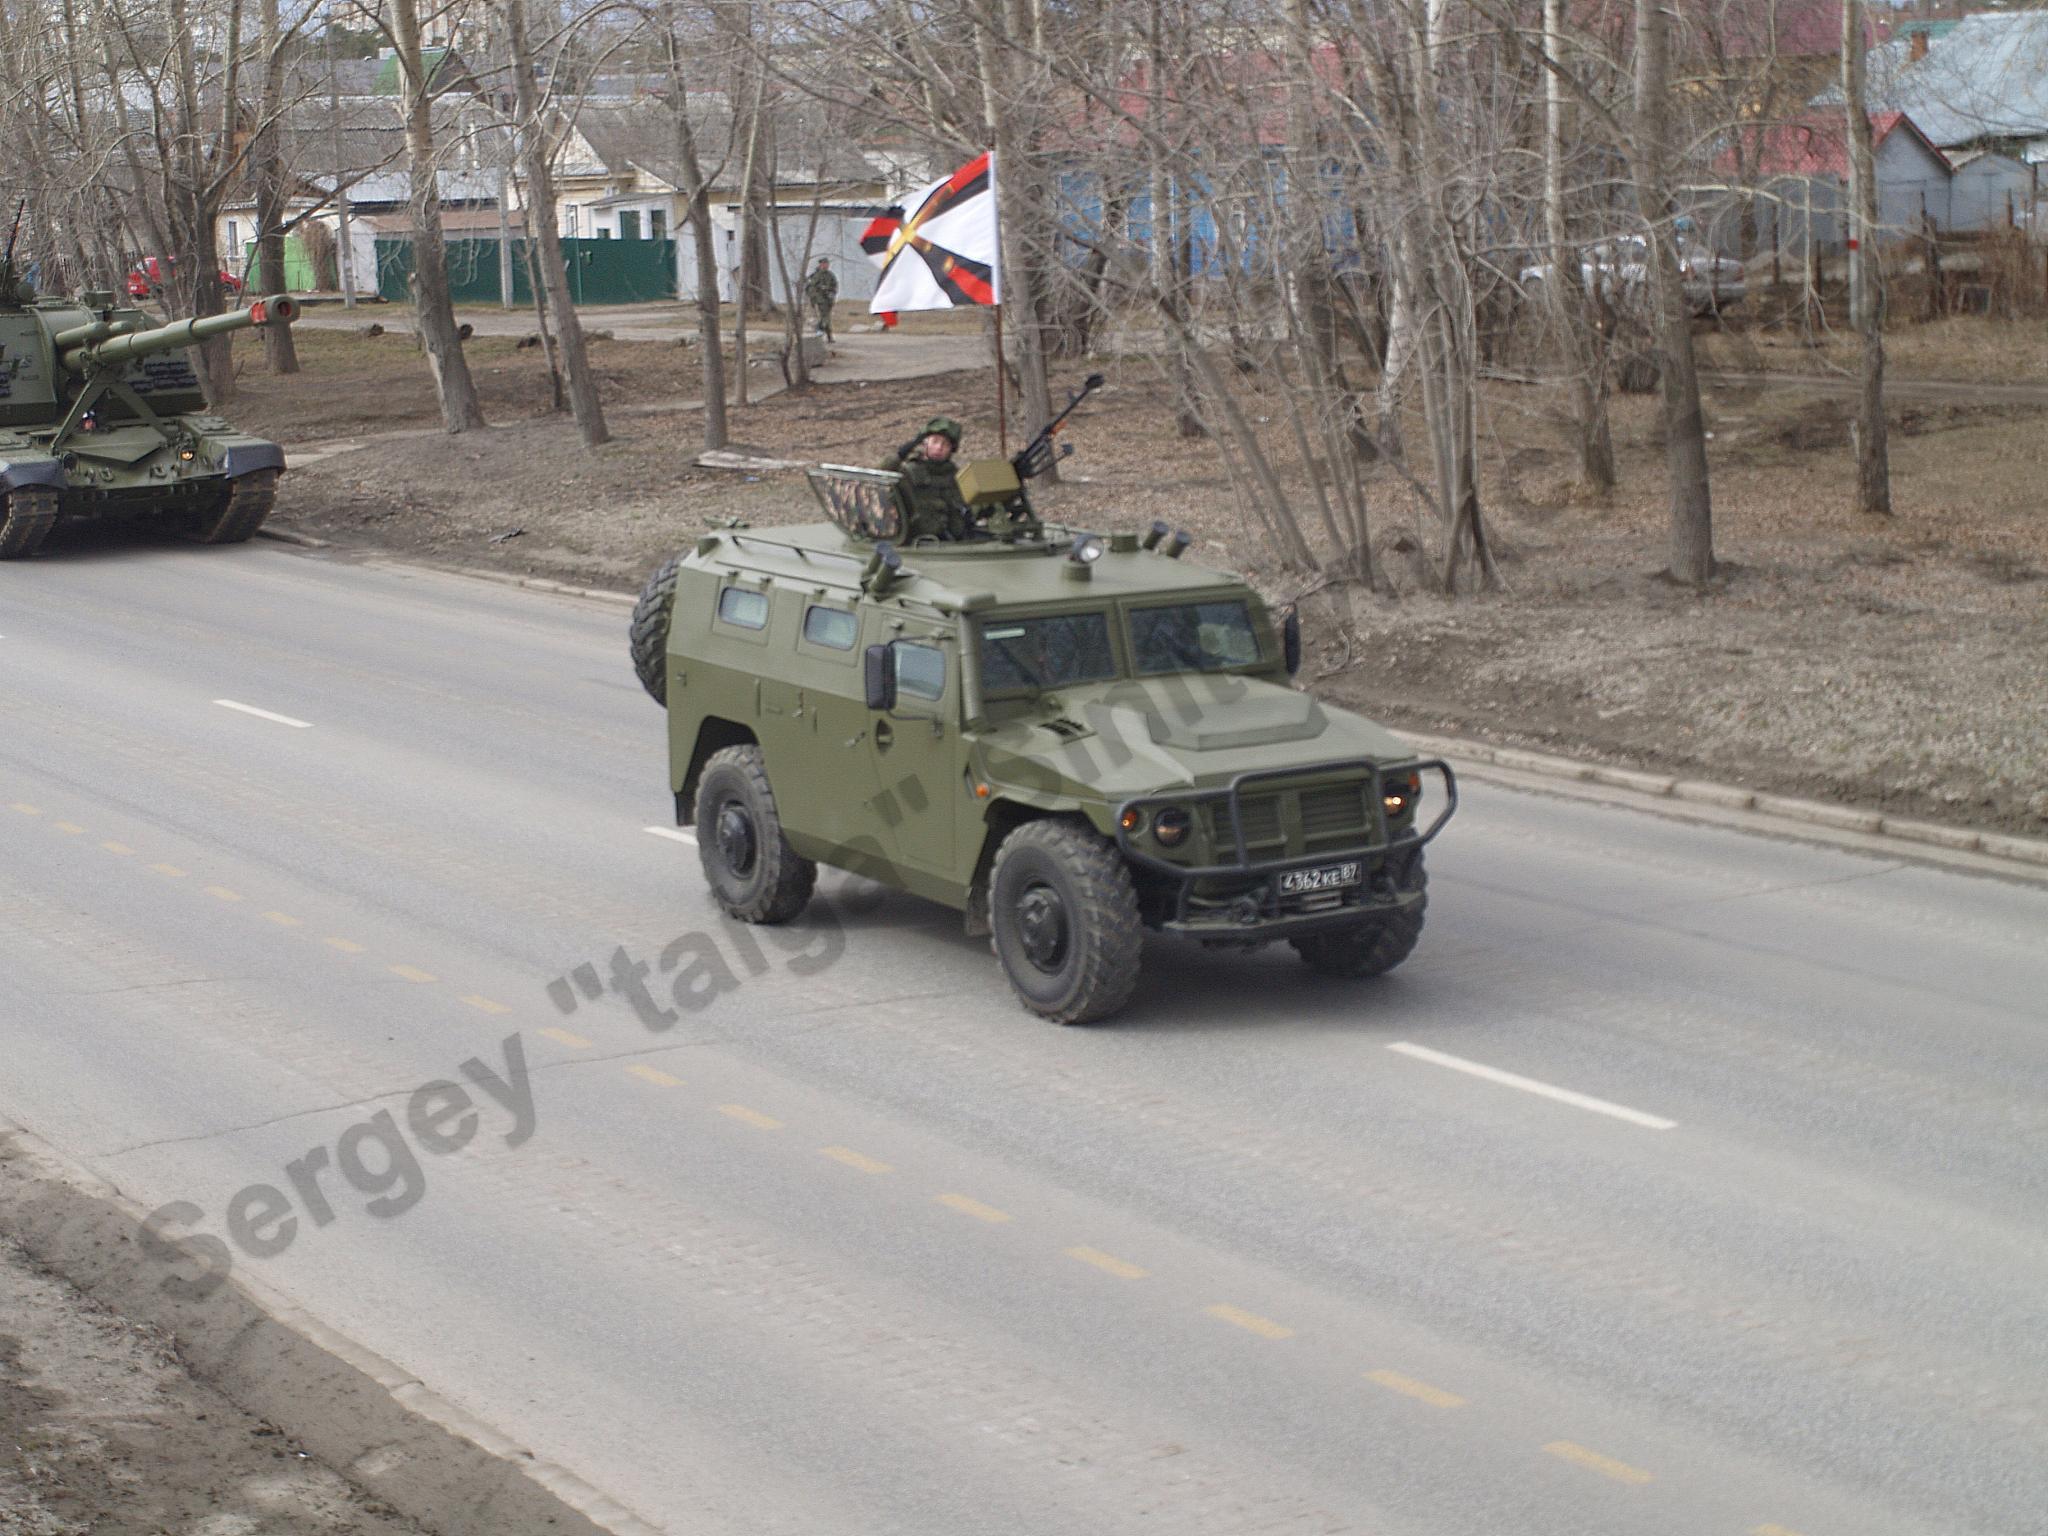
(939, 250)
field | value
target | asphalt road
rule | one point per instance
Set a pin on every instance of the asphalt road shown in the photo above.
(857, 1246)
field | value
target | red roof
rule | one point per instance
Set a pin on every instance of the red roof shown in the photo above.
(1735, 29)
(1814, 145)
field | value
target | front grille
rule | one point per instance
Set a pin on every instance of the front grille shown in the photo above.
(1336, 811)
(1295, 822)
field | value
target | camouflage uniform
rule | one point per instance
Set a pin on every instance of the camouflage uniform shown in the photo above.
(821, 288)
(929, 493)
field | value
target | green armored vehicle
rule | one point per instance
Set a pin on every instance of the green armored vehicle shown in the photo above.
(1070, 737)
(101, 417)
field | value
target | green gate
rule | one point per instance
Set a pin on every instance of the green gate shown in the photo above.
(600, 271)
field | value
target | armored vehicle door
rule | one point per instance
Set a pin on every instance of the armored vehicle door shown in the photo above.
(916, 745)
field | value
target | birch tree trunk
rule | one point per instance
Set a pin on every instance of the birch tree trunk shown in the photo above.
(1866, 287)
(544, 234)
(460, 409)
(1685, 431)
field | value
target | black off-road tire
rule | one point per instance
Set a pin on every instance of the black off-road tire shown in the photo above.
(753, 872)
(1064, 922)
(27, 514)
(649, 629)
(1373, 946)
(236, 519)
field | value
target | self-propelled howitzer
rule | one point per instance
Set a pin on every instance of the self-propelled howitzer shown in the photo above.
(101, 416)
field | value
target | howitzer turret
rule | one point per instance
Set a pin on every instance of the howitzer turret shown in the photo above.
(101, 416)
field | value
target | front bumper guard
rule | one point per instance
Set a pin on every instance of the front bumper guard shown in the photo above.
(1260, 911)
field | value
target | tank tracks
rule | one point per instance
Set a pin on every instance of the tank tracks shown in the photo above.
(26, 515)
(238, 518)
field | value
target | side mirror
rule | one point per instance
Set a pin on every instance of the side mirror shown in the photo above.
(878, 666)
(1290, 640)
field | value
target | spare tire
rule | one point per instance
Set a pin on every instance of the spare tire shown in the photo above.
(649, 629)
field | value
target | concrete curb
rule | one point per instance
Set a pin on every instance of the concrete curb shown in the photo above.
(1803, 817)
(357, 1412)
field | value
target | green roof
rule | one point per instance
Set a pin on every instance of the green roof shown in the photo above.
(391, 80)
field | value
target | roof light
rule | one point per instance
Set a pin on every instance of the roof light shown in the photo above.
(1087, 549)
(1178, 544)
(1155, 533)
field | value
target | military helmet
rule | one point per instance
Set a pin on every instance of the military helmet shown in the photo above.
(944, 426)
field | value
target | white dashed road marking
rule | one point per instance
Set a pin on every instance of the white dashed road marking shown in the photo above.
(1531, 1085)
(675, 834)
(264, 714)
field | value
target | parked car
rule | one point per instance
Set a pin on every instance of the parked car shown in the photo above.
(146, 278)
(1616, 269)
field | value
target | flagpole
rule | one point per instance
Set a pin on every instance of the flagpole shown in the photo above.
(1002, 403)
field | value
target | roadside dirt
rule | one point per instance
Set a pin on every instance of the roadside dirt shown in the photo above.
(103, 1432)
(1899, 664)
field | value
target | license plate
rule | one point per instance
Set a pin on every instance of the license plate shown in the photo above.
(1325, 877)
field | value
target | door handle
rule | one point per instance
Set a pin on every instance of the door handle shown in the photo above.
(884, 734)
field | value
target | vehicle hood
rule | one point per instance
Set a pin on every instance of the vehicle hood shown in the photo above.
(1119, 739)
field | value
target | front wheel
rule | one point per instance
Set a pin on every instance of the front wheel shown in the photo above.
(753, 872)
(1064, 921)
(1371, 946)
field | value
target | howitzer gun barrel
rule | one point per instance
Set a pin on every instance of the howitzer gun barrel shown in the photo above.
(96, 331)
(83, 358)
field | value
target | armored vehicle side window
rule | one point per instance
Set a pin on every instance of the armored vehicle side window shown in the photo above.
(1193, 637)
(748, 610)
(1046, 653)
(920, 670)
(833, 627)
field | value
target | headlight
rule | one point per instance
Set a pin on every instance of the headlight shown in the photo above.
(1400, 792)
(1171, 826)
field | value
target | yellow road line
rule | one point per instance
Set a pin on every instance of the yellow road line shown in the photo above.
(121, 848)
(563, 1037)
(412, 973)
(1109, 1263)
(854, 1159)
(68, 828)
(485, 1005)
(656, 1076)
(752, 1117)
(1251, 1322)
(282, 919)
(170, 870)
(973, 1208)
(1421, 1391)
(26, 809)
(223, 893)
(1593, 1461)
(346, 946)
(1773, 1530)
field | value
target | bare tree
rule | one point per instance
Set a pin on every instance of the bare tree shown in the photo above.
(543, 235)
(419, 81)
(1866, 274)
(696, 194)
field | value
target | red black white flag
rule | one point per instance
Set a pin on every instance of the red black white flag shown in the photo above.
(939, 250)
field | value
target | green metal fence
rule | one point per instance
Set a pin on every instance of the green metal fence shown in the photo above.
(600, 271)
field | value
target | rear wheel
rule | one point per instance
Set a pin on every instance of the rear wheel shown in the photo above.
(753, 872)
(235, 521)
(1064, 921)
(649, 629)
(1372, 946)
(26, 516)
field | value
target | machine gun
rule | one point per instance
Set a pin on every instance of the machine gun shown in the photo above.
(1037, 456)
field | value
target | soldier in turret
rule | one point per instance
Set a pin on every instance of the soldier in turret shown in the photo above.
(929, 490)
